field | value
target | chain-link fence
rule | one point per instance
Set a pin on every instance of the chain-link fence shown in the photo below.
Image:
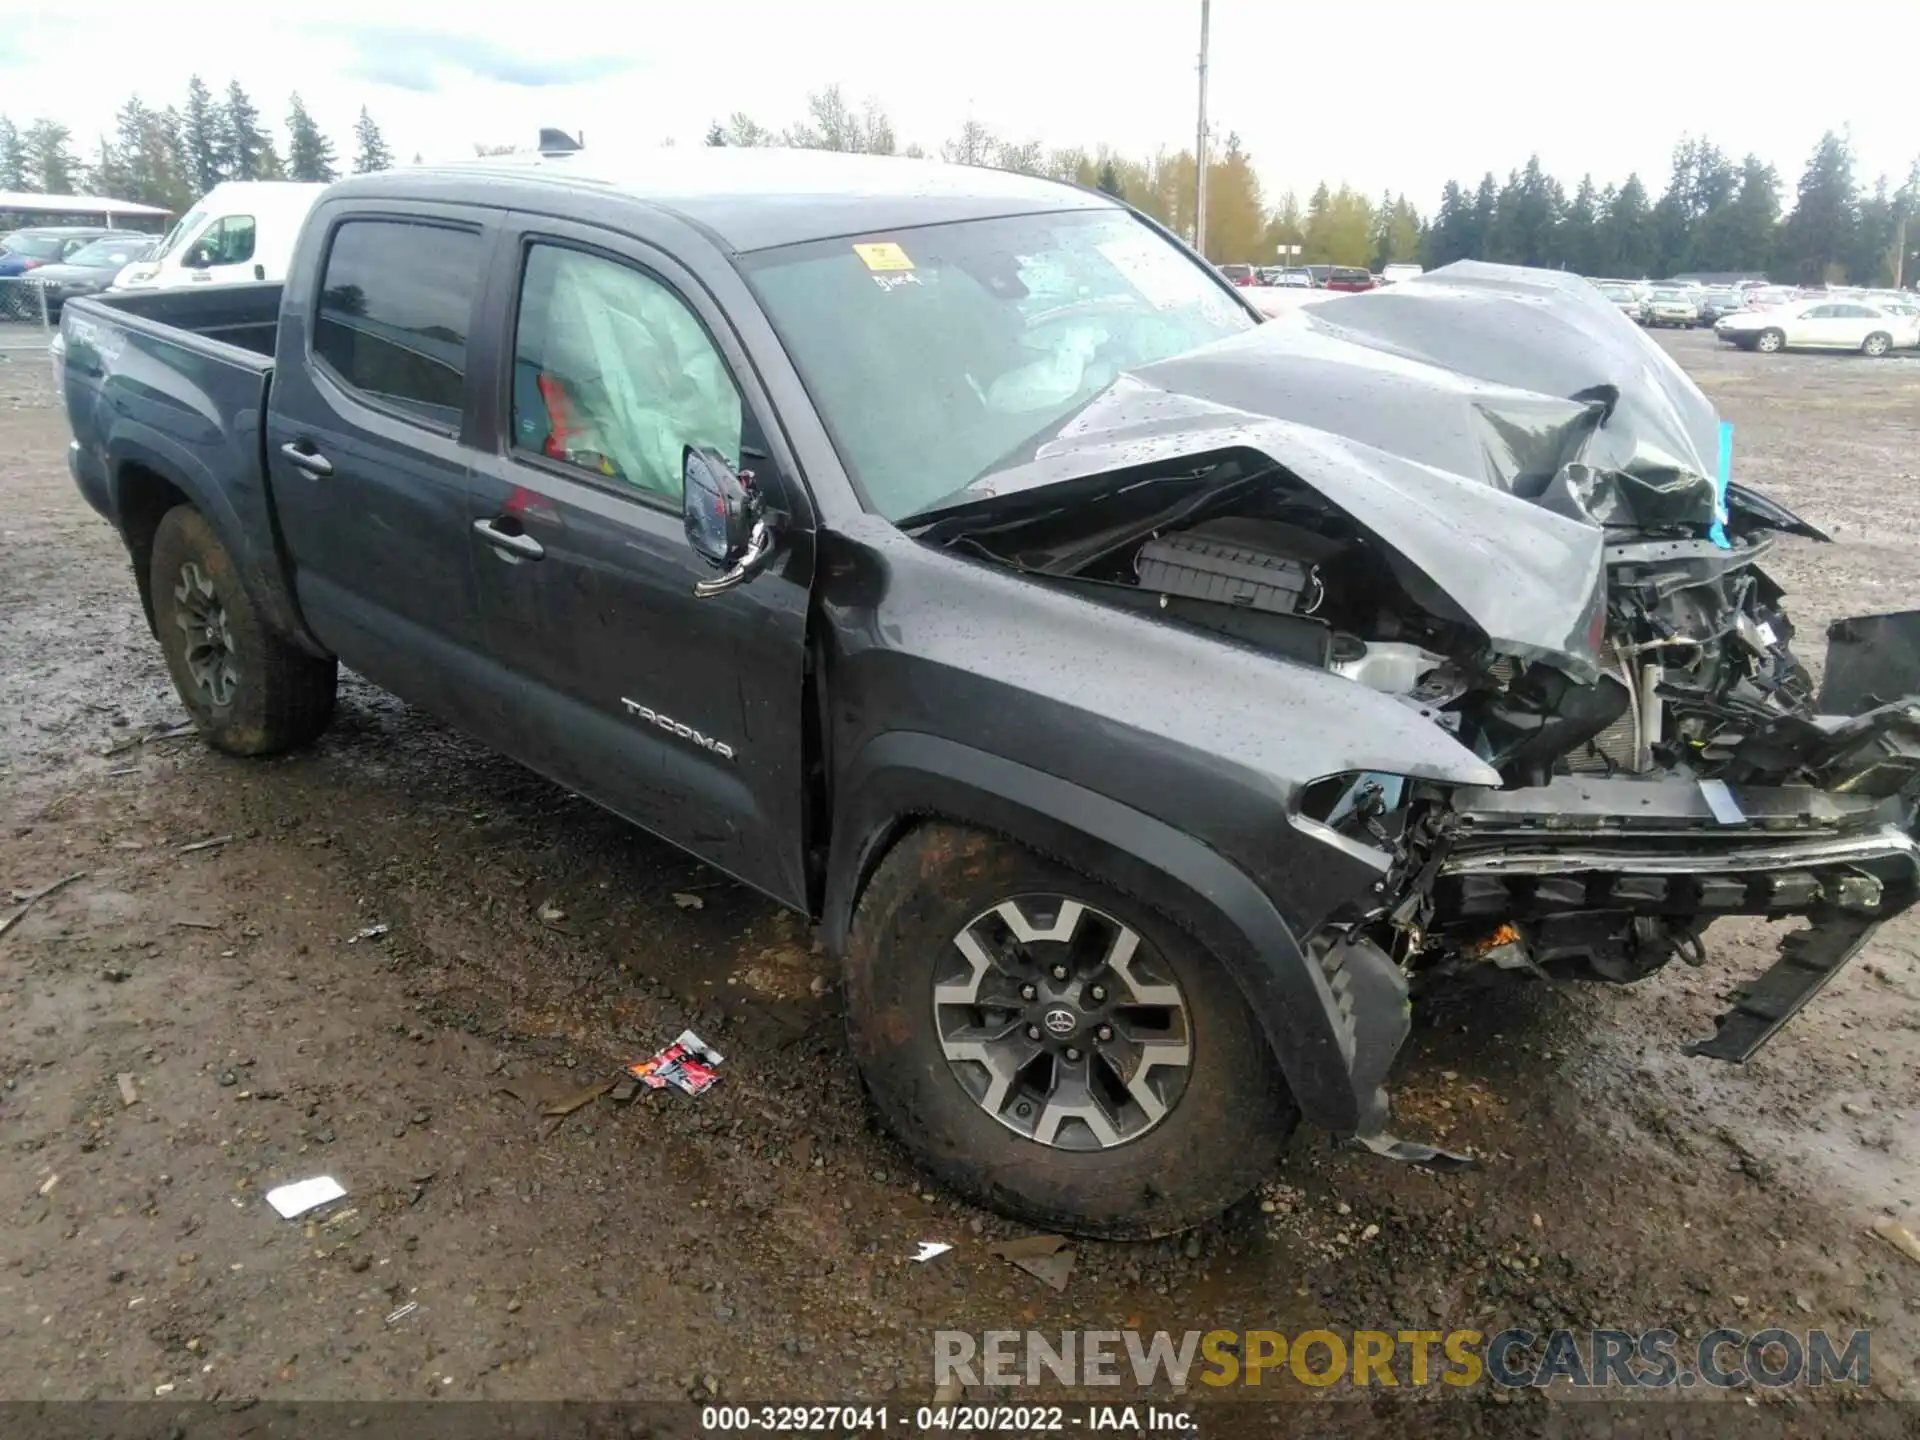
(26, 332)
(24, 321)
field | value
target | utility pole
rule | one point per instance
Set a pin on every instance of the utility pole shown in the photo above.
(1200, 144)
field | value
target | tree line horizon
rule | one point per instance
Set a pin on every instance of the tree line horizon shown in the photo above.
(1713, 214)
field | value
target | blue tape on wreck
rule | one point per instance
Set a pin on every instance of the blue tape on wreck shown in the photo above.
(1718, 534)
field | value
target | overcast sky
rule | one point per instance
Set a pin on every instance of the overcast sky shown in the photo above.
(1388, 95)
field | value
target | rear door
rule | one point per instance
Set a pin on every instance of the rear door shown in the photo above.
(364, 446)
(683, 714)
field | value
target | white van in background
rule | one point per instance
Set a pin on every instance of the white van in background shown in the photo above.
(239, 231)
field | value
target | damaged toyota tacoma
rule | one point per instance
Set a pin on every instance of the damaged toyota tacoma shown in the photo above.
(1145, 699)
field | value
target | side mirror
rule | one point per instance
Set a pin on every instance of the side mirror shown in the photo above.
(725, 517)
(198, 258)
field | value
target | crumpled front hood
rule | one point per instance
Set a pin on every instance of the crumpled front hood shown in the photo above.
(1487, 423)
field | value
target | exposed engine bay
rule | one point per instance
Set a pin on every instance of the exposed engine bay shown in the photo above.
(1580, 604)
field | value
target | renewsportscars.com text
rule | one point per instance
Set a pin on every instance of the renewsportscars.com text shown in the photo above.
(1513, 1359)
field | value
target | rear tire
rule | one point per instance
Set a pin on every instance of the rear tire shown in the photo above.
(249, 691)
(1877, 344)
(1224, 1113)
(1770, 342)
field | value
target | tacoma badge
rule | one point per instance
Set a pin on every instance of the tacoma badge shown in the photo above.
(675, 727)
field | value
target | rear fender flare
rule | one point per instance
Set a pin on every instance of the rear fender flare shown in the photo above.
(900, 778)
(134, 451)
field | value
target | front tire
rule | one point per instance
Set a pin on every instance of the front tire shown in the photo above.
(1877, 344)
(249, 691)
(1770, 342)
(1052, 1049)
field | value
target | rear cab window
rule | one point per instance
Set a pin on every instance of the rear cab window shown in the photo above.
(391, 318)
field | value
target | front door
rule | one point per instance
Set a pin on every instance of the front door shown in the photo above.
(683, 714)
(223, 255)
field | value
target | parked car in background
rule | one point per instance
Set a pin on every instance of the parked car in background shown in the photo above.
(1627, 299)
(1766, 297)
(1238, 274)
(91, 268)
(39, 245)
(1293, 277)
(1392, 274)
(1717, 303)
(238, 232)
(1672, 305)
(1821, 325)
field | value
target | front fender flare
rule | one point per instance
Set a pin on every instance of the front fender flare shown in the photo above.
(901, 776)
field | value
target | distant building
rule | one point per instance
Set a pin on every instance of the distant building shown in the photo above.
(30, 207)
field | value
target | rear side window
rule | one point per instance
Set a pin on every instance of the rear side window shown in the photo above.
(393, 311)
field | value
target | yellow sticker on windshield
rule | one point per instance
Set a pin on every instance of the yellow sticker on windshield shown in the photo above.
(883, 255)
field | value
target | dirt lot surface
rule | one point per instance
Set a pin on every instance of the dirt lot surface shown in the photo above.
(183, 1028)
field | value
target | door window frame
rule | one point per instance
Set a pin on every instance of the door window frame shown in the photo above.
(323, 369)
(752, 434)
(771, 455)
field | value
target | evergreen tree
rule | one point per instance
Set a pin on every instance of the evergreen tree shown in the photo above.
(370, 151)
(1110, 181)
(1527, 217)
(309, 153)
(201, 132)
(246, 151)
(1579, 237)
(1870, 256)
(1817, 237)
(1627, 235)
(1448, 238)
(51, 166)
(716, 134)
(13, 157)
(1486, 201)
(1673, 216)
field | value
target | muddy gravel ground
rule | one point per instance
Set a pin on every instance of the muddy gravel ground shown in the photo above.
(183, 1028)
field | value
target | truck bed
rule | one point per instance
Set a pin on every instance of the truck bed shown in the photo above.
(246, 317)
(174, 383)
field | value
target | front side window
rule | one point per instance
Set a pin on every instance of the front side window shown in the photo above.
(228, 241)
(614, 375)
(938, 353)
(392, 315)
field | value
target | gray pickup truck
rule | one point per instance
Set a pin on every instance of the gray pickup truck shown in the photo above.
(1145, 699)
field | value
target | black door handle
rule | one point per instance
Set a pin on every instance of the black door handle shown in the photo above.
(311, 461)
(511, 545)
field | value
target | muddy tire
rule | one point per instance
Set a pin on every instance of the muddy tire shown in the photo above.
(249, 691)
(1052, 1049)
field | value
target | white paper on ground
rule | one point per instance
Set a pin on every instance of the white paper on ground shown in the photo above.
(304, 1195)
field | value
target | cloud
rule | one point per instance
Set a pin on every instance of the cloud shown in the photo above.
(410, 58)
